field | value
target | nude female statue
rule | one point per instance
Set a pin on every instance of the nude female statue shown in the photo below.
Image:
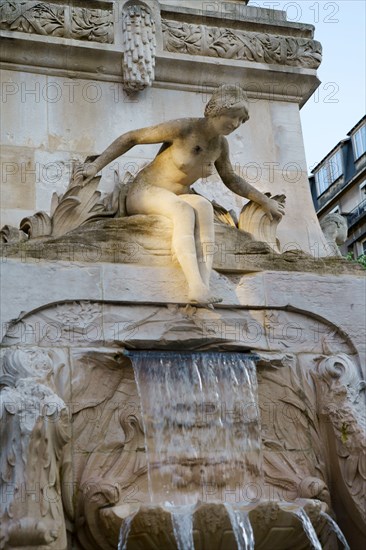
(191, 148)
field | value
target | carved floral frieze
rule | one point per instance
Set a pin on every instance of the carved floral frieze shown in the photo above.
(92, 24)
(47, 19)
(33, 17)
(186, 38)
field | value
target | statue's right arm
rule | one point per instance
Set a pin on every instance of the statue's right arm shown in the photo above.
(165, 132)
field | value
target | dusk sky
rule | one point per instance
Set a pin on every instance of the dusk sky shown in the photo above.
(340, 101)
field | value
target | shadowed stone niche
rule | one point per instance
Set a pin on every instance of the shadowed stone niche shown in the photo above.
(77, 433)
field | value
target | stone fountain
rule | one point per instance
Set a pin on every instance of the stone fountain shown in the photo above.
(134, 417)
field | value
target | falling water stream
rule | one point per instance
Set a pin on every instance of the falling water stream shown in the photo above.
(242, 527)
(309, 530)
(334, 527)
(201, 425)
(203, 443)
(125, 531)
(182, 518)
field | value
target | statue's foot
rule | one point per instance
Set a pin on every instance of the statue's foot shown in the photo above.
(202, 296)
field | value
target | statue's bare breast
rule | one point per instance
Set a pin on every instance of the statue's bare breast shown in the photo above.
(179, 164)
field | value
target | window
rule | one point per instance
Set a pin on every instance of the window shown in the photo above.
(329, 172)
(359, 142)
(335, 166)
(363, 191)
(322, 180)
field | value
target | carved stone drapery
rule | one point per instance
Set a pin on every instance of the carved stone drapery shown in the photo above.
(47, 19)
(180, 37)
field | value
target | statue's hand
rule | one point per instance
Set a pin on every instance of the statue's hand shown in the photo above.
(89, 171)
(273, 209)
(85, 172)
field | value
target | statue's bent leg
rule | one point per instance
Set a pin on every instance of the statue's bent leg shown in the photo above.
(205, 234)
(155, 200)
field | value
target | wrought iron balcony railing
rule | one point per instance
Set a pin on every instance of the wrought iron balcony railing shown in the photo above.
(356, 214)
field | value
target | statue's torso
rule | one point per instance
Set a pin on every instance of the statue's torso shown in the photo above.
(180, 163)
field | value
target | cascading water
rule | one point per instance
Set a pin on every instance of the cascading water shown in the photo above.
(124, 532)
(201, 426)
(309, 530)
(182, 518)
(203, 443)
(242, 528)
(334, 527)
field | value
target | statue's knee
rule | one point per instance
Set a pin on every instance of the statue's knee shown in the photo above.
(204, 207)
(182, 212)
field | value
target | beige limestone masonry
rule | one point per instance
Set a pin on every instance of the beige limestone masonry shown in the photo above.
(62, 108)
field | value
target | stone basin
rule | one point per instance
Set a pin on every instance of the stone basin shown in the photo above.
(274, 526)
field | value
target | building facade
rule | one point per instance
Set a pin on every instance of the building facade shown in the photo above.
(338, 185)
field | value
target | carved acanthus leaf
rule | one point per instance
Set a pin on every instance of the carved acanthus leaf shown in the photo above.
(79, 205)
(38, 225)
(11, 234)
(139, 45)
(253, 219)
(341, 399)
(193, 39)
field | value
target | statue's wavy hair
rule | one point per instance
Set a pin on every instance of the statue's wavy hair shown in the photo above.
(338, 219)
(225, 99)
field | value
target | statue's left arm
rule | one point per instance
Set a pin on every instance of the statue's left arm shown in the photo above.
(241, 187)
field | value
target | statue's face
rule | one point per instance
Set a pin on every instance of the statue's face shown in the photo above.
(230, 121)
(341, 235)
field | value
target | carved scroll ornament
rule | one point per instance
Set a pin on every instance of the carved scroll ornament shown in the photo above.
(222, 42)
(254, 220)
(341, 402)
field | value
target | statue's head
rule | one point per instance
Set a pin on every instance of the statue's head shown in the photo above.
(226, 99)
(229, 106)
(335, 228)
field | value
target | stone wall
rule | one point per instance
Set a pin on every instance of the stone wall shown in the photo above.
(70, 86)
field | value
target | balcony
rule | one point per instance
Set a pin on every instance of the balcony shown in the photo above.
(356, 214)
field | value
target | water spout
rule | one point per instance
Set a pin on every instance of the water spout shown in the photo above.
(308, 528)
(334, 527)
(125, 531)
(242, 527)
(182, 518)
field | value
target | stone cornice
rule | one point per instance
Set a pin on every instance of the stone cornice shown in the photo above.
(227, 43)
(65, 39)
(240, 16)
